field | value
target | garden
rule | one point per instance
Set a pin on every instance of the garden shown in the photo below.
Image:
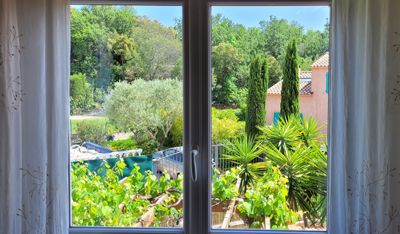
(126, 94)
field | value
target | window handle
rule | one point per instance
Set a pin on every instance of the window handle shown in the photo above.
(194, 154)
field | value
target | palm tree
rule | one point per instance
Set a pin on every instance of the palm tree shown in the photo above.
(244, 151)
(305, 169)
(284, 135)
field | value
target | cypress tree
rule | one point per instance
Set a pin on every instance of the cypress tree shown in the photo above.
(256, 98)
(290, 84)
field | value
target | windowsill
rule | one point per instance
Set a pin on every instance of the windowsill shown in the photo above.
(104, 230)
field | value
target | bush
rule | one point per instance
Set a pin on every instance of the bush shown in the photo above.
(176, 134)
(119, 145)
(81, 94)
(267, 199)
(147, 108)
(94, 131)
(226, 125)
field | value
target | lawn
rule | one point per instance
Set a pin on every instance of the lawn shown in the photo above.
(74, 120)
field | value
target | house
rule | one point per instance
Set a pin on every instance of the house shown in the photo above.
(314, 87)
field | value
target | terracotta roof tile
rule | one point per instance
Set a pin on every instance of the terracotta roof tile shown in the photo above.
(323, 61)
(305, 74)
(305, 87)
(305, 84)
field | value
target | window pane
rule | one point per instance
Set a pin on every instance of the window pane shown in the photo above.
(126, 101)
(269, 117)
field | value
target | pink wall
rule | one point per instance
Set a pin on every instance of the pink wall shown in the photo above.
(315, 105)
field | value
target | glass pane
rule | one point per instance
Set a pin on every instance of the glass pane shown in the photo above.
(126, 116)
(269, 117)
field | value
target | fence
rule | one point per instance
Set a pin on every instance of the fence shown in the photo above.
(171, 160)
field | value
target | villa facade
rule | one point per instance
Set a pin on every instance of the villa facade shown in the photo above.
(314, 88)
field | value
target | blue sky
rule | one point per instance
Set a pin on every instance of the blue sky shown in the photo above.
(310, 17)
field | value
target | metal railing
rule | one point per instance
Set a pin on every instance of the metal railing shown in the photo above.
(171, 160)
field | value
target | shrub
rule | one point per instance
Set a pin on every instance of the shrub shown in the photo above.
(176, 134)
(81, 94)
(226, 125)
(94, 131)
(267, 199)
(295, 146)
(226, 129)
(125, 144)
(147, 108)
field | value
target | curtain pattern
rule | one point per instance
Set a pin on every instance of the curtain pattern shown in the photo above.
(364, 186)
(34, 79)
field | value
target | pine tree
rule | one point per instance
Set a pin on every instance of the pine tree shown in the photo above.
(290, 84)
(256, 99)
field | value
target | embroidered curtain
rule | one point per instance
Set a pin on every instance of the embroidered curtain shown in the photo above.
(364, 185)
(34, 79)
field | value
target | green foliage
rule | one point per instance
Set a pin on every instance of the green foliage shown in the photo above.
(226, 125)
(147, 108)
(295, 147)
(105, 201)
(290, 93)
(175, 137)
(256, 99)
(284, 135)
(94, 131)
(225, 60)
(278, 33)
(267, 199)
(275, 72)
(243, 152)
(120, 145)
(123, 51)
(159, 51)
(81, 96)
(223, 187)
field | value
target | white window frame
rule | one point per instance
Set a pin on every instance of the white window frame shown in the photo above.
(196, 18)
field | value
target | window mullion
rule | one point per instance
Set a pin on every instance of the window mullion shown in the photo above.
(197, 115)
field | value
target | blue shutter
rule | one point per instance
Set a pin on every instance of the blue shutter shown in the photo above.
(327, 82)
(301, 116)
(276, 117)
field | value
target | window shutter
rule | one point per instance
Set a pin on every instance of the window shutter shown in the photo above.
(276, 117)
(327, 82)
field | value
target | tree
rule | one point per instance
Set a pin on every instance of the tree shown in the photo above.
(159, 51)
(80, 93)
(275, 72)
(290, 93)
(123, 51)
(256, 99)
(225, 61)
(147, 108)
(244, 151)
(277, 33)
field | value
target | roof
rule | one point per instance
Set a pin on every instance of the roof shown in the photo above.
(305, 87)
(305, 84)
(322, 61)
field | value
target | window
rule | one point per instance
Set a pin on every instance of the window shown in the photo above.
(126, 90)
(165, 117)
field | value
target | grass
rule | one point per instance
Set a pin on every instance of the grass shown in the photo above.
(74, 122)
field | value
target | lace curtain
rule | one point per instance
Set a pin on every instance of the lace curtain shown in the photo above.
(34, 79)
(364, 187)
